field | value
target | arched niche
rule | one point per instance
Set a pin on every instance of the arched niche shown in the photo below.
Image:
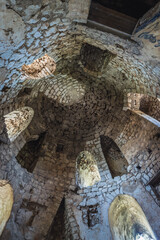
(128, 221)
(115, 159)
(40, 68)
(29, 154)
(17, 121)
(6, 202)
(87, 170)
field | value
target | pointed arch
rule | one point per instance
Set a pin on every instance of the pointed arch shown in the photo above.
(87, 170)
(127, 219)
(17, 121)
(115, 159)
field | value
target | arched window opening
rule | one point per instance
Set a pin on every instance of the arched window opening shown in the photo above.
(6, 202)
(17, 121)
(127, 220)
(29, 154)
(87, 170)
(40, 68)
(115, 159)
(145, 103)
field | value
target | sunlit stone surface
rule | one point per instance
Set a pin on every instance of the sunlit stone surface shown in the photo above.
(6, 202)
(17, 121)
(87, 169)
(127, 220)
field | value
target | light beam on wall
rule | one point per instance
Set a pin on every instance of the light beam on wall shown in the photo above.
(17, 121)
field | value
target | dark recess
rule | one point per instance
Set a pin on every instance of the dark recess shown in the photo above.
(28, 155)
(59, 148)
(115, 159)
(121, 15)
(133, 8)
(155, 184)
(24, 92)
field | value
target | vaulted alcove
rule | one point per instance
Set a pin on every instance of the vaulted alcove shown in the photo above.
(114, 157)
(28, 155)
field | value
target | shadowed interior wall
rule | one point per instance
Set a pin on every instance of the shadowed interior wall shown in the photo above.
(28, 155)
(57, 229)
(114, 157)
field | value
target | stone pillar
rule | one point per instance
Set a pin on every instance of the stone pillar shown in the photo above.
(6, 202)
(128, 221)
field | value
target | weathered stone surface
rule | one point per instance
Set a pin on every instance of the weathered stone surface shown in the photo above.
(3, 72)
(12, 27)
(73, 106)
(87, 169)
(147, 104)
(83, 10)
(114, 157)
(17, 121)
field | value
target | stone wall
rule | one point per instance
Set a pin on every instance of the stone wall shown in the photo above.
(114, 157)
(144, 103)
(17, 121)
(101, 194)
(74, 104)
(78, 10)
